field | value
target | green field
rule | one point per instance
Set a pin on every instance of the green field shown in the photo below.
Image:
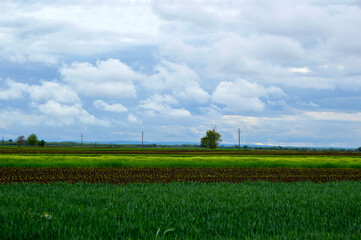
(248, 210)
(258, 210)
(144, 160)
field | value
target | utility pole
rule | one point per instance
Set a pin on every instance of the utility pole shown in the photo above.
(239, 139)
(2, 142)
(81, 139)
(142, 138)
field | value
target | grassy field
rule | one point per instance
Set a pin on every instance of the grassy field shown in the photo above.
(144, 160)
(258, 210)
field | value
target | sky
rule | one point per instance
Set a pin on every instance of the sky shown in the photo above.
(284, 72)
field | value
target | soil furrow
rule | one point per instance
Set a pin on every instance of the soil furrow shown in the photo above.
(122, 175)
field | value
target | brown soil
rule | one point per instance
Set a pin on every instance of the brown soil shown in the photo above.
(123, 175)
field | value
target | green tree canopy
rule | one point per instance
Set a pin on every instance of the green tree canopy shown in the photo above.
(41, 143)
(32, 139)
(212, 139)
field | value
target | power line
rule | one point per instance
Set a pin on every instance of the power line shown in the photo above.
(239, 139)
(142, 138)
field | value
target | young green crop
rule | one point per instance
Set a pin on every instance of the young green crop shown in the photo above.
(258, 210)
(139, 160)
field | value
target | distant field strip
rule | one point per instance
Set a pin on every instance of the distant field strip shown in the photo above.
(168, 151)
(123, 175)
(269, 161)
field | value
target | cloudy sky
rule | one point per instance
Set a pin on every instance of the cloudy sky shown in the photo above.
(284, 72)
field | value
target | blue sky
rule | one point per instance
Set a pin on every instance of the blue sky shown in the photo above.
(284, 72)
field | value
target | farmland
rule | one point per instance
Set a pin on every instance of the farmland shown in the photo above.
(251, 210)
(177, 160)
(169, 151)
(67, 193)
(125, 175)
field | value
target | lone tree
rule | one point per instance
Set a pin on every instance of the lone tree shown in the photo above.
(20, 140)
(212, 139)
(32, 139)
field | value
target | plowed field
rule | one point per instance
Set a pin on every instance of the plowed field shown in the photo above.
(122, 175)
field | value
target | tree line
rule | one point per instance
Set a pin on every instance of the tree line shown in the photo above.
(31, 140)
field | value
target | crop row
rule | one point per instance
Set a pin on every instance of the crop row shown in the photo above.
(121, 175)
(158, 151)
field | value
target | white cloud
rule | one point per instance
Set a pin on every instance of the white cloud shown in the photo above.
(133, 119)
(116, 107)
(204, 14)
(38, 31)
(53, 91)
(16, 117)
(110, 78)
(234, 53)
(264, 45)
(230, 55)
(340, 67)
(179, 79)
(334, 116)
(307, 104)
(303, 70)
(179, 51)
(57, 109)
(14, 91)
(45, 91)
(246, 121)
(241, 95)
(63, 114)
(158, 105)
